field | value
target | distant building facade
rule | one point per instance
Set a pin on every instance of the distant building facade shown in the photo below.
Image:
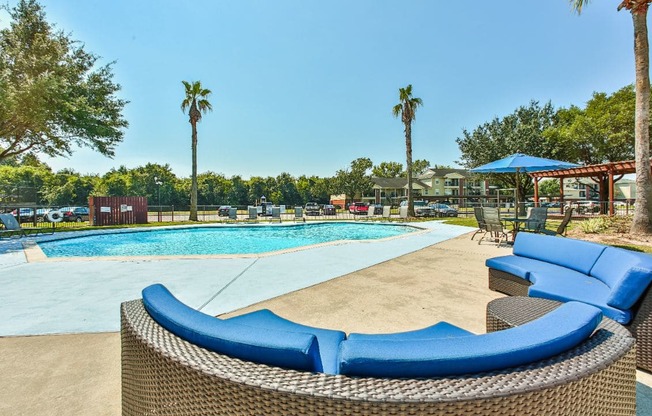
(435, 184)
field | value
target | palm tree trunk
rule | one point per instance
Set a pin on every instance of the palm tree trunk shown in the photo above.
(408, 162)
(193, 188)
(643, 208)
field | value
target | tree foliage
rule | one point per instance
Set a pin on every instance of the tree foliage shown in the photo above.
(519, 132)
(354, 181)
(387, 170)
(601, 132)
(419, 166)
(52, 95)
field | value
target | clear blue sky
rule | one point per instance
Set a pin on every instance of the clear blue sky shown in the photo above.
(307, 86)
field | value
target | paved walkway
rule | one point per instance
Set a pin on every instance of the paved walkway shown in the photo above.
(80, 374)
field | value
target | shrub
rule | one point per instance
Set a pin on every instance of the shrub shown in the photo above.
(594, 225)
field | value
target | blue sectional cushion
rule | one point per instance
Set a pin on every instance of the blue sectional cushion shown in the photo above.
(299, 351)
(570, 286)
(522, 266)
(328, 339)
(567, 252)
(627, 273)
(556, 332)
(438, 330)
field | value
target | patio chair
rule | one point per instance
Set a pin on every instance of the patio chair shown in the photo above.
(561, 230)
(495, 228)
(479, 217)
(252, 214)
(387, 212)
(12, 228)
(536, 221)
(276, 214)
(298, 215)
(233, 214)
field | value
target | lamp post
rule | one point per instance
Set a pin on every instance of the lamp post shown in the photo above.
(158, 183)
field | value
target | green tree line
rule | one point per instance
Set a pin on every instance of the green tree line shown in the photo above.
(29, 181)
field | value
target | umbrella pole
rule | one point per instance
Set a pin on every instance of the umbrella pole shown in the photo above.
(516, 192)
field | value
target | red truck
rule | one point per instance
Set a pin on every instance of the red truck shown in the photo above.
(359, 208)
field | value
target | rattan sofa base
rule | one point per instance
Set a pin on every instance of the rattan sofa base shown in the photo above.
(640, 327)
(165, 375)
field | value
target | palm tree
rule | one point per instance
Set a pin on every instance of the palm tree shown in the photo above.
(196, 100)
(407, 108)
(642, 223)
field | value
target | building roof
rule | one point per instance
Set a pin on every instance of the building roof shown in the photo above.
(443, 172)
(396, 183)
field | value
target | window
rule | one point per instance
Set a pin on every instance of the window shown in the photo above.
(436, 181)
(436, 191)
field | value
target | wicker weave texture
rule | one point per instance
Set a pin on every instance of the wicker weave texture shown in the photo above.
(165, 375)
(640, 327)
(506, 283)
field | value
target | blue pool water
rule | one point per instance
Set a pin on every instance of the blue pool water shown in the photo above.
(216, 240)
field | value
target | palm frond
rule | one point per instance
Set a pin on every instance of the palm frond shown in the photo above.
(577, 5)
(196, 95)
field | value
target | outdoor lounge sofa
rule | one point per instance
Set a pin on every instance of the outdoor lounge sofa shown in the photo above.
(176, 360)
(615, 280)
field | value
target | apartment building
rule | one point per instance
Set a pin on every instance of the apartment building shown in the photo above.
(445, 184)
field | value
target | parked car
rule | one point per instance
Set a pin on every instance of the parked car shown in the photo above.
(23, 214)
(329, 210)
(312, 208)
(587, 207)
(359, 208)
(223, 211)
(75, 214)
(443, 210)
(421, 208)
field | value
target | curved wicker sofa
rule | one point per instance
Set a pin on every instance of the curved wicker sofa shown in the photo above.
(555, 258)
(164, 374)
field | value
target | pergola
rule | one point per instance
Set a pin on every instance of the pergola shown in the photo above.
(603, 174)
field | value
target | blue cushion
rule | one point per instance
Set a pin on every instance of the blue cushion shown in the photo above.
(293, 350)
(438, 330)
(626, 272)
(575, 286)
(522, 266)
(556, 332)
(567, 252)
(328, 339)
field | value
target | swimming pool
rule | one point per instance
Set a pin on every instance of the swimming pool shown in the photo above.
(217, 240)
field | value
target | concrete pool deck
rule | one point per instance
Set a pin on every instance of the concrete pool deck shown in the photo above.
(79, 374)
(83, 295)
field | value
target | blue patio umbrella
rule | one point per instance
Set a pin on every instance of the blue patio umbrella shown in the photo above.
(520, 163)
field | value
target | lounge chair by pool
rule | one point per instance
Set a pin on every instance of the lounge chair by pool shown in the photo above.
(13, 228)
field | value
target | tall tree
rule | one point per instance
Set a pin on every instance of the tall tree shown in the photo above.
(521, 131)
(52, 95)
(196, 102)
(407, 108)
(354, 181)
(642, 223)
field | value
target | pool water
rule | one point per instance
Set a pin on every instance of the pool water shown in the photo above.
(217, 240)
